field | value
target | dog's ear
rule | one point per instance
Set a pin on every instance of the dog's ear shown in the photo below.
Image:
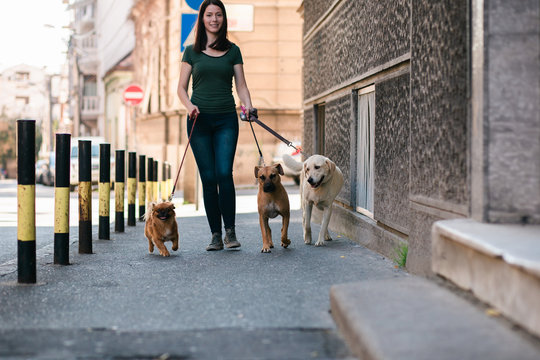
(279, 169)
(331, 165)
(305, 167)
(257, 171)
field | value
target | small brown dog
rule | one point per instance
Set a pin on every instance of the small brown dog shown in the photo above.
(272, 200)
(161, 226)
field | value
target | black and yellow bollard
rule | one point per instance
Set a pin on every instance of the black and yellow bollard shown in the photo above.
(164, 183)
(155, 184)
(131, 187)
(142, 186)
(169, 181)
(119, 191)
(26, 201)
(85, 197)
(61, 199)
(150, 181)
(104, 231)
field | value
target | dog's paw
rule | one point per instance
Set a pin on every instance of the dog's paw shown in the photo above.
(285, 242)
(175, 247)
(319, 243)
(164, 253)
(265, 250)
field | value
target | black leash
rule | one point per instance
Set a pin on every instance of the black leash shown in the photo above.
(255, 118)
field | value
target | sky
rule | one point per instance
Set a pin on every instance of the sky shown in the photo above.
(31, 33)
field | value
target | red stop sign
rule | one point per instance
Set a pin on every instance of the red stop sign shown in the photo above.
(133, 95)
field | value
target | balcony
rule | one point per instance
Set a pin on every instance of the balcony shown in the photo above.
(90, 107)
(86, 47)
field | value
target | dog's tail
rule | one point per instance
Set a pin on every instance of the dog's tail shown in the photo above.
(291, 163)
(149, 209)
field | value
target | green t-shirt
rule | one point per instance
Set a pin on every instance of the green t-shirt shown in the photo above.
(212, 79)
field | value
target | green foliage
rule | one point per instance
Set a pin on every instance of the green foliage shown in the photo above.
(7, 139)
(400, 257)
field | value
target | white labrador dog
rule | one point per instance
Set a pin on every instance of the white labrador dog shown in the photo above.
(320, 182)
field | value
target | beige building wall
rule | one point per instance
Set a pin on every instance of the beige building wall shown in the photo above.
(272, 55)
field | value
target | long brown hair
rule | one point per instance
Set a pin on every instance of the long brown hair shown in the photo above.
(221, 43)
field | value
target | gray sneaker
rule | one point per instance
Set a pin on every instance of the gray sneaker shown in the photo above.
(230, 239)
(216, 243)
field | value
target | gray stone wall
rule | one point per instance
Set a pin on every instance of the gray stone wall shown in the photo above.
(513, 110)
(309, 131)
(313, 10)
(337, 145)
(391, 188)
(439, 104)
(352, 42)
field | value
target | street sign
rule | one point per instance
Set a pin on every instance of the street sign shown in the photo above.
(133, 95)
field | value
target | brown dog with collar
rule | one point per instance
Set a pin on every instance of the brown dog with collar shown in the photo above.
(272, 200)
(161, 226)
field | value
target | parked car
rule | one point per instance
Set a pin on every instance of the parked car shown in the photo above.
(41, 166)
(283, 148)
(48, 173)
(74, 170)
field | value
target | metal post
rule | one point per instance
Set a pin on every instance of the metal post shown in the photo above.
(132, 187)
(164, 193)
(104, 191)
(61, 199)
(155, 184)
(26, 201)
(85, 197)
(119, 190)
(150, 180)
(169, 180)
(142, 186)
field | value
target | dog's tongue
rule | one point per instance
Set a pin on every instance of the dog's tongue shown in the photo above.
(163, 218)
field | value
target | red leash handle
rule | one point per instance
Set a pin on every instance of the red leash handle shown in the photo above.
(184, 156)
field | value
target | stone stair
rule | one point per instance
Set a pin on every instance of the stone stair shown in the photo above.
(415, 318)
(499, 264)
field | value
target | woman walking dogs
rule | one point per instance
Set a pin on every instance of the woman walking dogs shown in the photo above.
(212, 62)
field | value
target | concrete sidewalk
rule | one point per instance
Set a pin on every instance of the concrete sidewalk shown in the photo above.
(123, 303)
(232, 304)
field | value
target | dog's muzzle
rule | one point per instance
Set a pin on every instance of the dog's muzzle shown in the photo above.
(313, 183)
(269, 187)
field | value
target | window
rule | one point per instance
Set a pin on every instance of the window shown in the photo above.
(365, 141)
(319, 129)
(22, 76)
(21, 101)
(90, 86)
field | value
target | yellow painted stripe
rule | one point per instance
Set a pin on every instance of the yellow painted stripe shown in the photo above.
(85, 201)
(155, 191)
(132, 190)
(142, 193)
(119, 196)
(104, 199)
(149, 191)
(61, 210)
(169, 186)
(164, 190)
(26, 212)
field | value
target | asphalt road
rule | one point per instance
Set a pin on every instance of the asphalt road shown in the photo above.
(123, 303)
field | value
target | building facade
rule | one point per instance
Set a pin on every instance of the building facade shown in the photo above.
(85, 105)
(430, 109)
(269, 35)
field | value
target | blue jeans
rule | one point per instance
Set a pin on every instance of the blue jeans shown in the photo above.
(214, 142)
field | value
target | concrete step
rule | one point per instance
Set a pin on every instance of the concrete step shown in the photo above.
(414, 318)
(499, 264)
